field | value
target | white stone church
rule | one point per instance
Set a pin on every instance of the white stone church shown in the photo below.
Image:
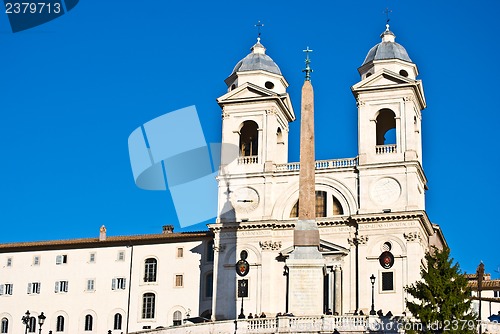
(370, 212)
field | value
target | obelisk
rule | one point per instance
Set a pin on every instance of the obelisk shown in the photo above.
(305, 264)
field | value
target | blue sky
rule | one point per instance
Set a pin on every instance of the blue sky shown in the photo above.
(75, 88)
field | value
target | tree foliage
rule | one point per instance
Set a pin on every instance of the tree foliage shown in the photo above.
(441, 300)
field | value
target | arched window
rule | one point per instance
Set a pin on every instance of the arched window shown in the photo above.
(322, 206)
(5, 326)
(249, 134)
(148, 305)
(209, 285)
(150, 270)
(386, 127)
(177, 318)
(32, 325)
(117, 323)
(89, 320)
(60, 324)
(279, 136)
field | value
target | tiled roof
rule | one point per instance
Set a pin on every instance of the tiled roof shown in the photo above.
(109, 241)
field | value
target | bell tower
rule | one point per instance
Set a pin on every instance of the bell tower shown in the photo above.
(256, 112)
(390, 101)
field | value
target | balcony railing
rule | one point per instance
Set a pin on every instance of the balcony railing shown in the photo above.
(385, 149)
(321, 164)
(251, 159)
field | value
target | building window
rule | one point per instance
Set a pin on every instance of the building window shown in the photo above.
(92, 257)
(496, 293)
(88, 322)
(60, 259)
(150, 270)
(34, 288)
(90, 284)
(36, 260)
(118, 283)
(388, 281)
(60, 324)
(61, 286)
(177, 318)
(148, 306)
(249, 144)
(5, 326)
(210, 251)
(9, 262)
(121, 256)
(321, 206)
(180, 252)
(179, 281)
(32, 325)
(209, 285)
(117, 323)
(6, 289)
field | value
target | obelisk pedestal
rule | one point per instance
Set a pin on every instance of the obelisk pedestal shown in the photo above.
(305, 264)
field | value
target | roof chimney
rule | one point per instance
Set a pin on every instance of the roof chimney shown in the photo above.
(168, 229)
(102, 233)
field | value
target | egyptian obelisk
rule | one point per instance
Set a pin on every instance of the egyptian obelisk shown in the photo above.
(305, 264)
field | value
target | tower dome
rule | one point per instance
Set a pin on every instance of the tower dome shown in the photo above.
(257, 60)
(388, 55)
(387, 49)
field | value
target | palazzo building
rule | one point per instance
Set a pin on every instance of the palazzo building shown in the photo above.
(370, 212)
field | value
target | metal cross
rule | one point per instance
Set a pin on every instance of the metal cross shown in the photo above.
(308, 69)
(259, 25)
(387, 11)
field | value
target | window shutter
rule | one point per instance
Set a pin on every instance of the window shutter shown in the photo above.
(124, 283)
(113, 284)
(11, 289)
(66, 287)
(56, 287)
(58, 259)
(38, 287)
(1, 289)
(29, 288)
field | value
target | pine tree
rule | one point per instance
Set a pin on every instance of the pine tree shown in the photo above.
(441, 300)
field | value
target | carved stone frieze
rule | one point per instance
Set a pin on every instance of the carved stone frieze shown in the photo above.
(270, 245)
(412, 236)
(220, 248)
(360, 240)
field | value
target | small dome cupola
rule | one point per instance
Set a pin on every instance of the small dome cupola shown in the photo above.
(390, 55)
(257, 60)
(257, 68)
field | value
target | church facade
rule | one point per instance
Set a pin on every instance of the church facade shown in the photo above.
(370, 209)
(370, 212)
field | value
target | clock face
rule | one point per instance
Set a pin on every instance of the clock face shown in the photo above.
(386, 191)
(244, 199)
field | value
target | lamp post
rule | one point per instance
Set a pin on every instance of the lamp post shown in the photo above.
(41, 320)
(26, 321)
(372, 280)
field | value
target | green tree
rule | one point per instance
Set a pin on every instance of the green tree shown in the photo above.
(441, 300)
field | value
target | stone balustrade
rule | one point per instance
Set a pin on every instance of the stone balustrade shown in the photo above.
(346, 324)
(252, 159)
(320, 164)
(385, 149)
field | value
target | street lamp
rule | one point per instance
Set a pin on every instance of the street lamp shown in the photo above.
(26, 321)
(41, 320)
(372, 280)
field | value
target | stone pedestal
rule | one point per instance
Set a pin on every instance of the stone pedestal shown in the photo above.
(305, 270)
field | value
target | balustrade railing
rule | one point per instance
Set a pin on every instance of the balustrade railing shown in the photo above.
(385, 149)
(320, 164)
(252, 159)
